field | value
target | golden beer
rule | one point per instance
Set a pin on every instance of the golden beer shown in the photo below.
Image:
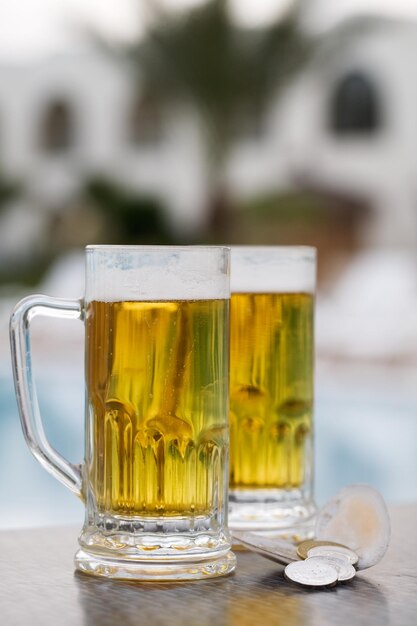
(157, 393)
(271, 389)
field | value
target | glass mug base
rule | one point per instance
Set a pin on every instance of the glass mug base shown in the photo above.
(273, 512)
(152, 548)
(152, 570)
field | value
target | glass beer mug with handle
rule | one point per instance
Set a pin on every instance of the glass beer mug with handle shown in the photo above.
(154, 479)
(271, 389)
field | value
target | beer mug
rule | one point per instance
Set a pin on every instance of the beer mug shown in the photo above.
(271, 389)
(154, 479)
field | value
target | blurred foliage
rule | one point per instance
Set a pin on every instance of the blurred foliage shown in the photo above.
(18, 271)
(225, 74)
(9, 190)
(107, 212)
(294, 206)
(199, 60)
(25, 272)
(199, 56)
(129, 217)
(311, 217)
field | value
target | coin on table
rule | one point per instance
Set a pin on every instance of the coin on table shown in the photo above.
(306, 545)
(312, 573)
(332, 550)
(345, 570)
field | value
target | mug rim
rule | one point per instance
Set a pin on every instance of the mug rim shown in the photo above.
(301, 249)
(158, 247)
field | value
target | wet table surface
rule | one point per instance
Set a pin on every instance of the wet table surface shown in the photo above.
(38, 586)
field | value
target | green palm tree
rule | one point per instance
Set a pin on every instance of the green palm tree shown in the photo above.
(9, 190)
(225, 73)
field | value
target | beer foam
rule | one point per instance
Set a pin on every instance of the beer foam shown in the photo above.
(147, 273)
(273, 269)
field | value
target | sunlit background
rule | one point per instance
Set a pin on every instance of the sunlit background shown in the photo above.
(184, 121)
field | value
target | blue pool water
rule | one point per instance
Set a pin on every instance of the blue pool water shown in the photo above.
(366, 431)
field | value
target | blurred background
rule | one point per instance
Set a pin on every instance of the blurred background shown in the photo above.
(218, 121)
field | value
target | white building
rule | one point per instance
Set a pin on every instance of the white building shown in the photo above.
(349, 124)
(67, 118)
(352, 123)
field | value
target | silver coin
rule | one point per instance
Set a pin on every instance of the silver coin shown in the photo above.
(345, 570)
(338, 551)
(305, 546)
(312, 573)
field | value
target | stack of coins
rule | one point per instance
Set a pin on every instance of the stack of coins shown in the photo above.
(322, 564)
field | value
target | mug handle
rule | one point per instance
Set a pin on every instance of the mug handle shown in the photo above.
(28, 308)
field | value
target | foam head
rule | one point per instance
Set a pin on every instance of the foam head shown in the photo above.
(146, 273)
(273, 269)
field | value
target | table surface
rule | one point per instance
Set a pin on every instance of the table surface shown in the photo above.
(38, 586)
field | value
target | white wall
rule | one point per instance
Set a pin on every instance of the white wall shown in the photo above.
(100, 92)
(381, 169)
(296, 141)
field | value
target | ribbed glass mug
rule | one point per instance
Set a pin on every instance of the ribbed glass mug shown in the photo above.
(154, 478)
(271, 389)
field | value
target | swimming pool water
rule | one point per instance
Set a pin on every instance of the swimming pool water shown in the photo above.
(363, 433)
